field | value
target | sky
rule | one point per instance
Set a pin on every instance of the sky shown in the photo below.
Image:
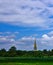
(24, 21)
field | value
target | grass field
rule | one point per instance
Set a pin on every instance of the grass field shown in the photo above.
(36, 63)
(25, 61)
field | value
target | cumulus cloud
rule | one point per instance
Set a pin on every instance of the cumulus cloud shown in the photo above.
(8, 36)
(27, 12)
(7, 39)
(24, 43)
(46, 39)
(50, 33)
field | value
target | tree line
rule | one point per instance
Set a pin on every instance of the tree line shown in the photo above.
(13, 52)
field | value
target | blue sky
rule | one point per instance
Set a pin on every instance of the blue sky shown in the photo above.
(23, 21)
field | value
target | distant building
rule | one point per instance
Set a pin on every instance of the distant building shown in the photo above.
(35, 46)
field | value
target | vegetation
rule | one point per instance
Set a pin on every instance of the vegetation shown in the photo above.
(25, 61)
(19, 57)
(12, 52)
(36, 63)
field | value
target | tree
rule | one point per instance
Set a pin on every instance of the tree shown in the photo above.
(3, 52)
(45, 52)
(52, 52)
(12, 51)
(49, 53)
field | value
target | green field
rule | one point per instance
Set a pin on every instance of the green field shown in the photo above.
(25, 61)
(36, 63)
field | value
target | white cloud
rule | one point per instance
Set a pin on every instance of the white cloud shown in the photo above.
(26, 12)
(50, 33)
(24, 43)
(6, 39)
(2, 39)
(8, 36)
(48, 2)
(9, 32)
(46, 39)
(28, 38)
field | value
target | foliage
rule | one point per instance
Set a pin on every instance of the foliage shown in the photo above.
(13, 52)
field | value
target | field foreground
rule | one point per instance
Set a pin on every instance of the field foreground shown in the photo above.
(25, 61)
(36, 63)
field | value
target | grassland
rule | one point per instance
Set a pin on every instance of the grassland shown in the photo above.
(25, 61)
(36, 63)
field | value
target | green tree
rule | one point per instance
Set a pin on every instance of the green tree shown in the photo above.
(12, 51)
(52, 52)
(3, 52)
(45, 52)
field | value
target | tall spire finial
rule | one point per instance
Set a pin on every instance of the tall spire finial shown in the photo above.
(35, 46)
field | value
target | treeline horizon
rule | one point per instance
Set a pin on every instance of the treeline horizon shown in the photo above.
(13, 52)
